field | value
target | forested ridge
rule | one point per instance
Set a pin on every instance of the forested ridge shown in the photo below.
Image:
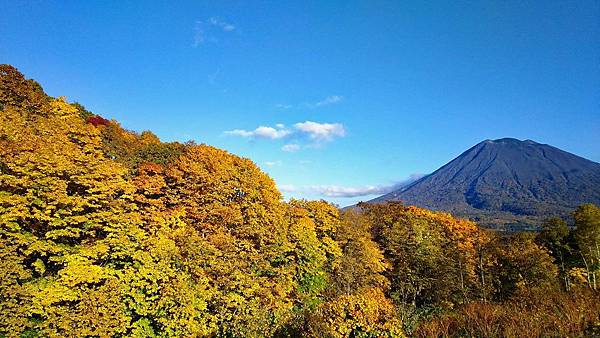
(105, 232)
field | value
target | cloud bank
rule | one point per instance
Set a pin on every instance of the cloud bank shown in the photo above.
(337, 191)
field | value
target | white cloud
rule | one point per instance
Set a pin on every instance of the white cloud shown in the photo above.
(329, 100)
(337, 191)
(261, 132)
(321, 131)
(286, 187)
(199, 35)
(333, 99)
(225, 26)
(340, 191)
(313, 130)
(283, 106)
(291, 147)
(212, 78)
(273, 163)
(204, 30)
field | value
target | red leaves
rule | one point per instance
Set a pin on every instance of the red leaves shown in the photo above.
(97, 120)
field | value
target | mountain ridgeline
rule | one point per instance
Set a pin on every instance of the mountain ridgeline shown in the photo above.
(506, 182)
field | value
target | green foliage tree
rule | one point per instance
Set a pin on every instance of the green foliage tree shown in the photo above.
(522, 265)
(432, 257)
(587, 235)
(555, 237)
(19, 93)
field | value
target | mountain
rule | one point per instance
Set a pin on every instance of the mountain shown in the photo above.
(506, 182)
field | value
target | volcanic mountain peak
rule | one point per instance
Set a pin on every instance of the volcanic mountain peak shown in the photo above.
(506, 181)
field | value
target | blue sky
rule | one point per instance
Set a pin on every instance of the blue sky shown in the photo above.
(352, 97)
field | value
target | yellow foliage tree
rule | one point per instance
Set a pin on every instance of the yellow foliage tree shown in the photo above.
(365, 314)
(237, 216)
(66, 217)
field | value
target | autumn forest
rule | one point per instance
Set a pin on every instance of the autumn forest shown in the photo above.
(106, 232)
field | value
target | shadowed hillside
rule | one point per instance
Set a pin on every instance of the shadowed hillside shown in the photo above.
(506, 181)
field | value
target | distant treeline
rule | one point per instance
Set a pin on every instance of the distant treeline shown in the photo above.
(107, 232)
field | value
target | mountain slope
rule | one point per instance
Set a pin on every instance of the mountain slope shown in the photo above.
(506, 181)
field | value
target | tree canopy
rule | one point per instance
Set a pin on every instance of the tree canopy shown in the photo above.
(109, 232)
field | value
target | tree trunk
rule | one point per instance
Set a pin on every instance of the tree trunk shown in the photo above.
(482, 276)
(587, 268)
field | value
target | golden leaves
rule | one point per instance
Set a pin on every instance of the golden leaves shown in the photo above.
(106, 232)
(367, 313)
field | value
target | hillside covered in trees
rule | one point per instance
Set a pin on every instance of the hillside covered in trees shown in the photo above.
(107, 232)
